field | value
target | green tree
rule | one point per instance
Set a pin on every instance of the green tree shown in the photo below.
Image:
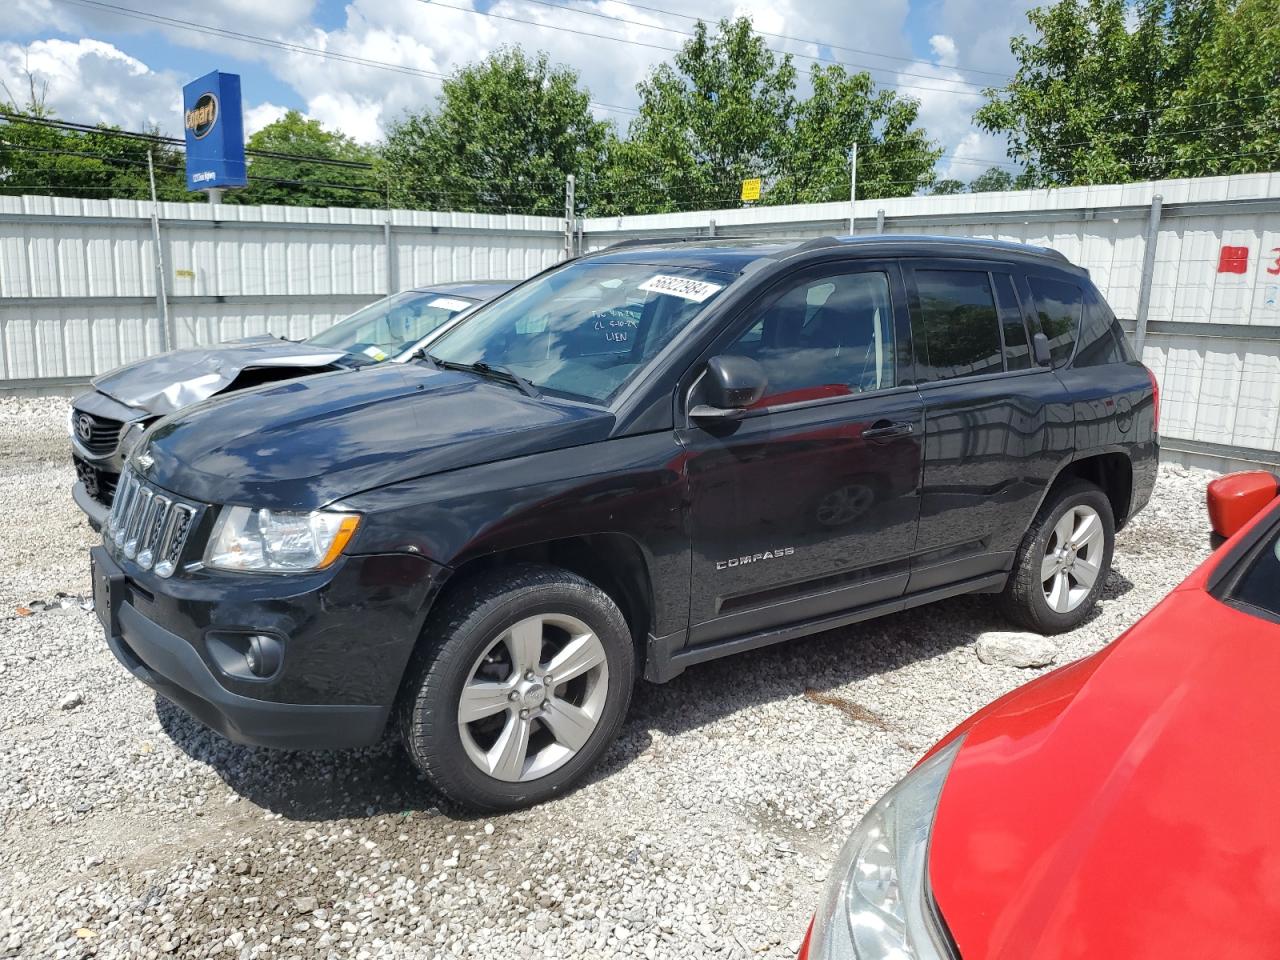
(505, 134)
(947, 187)
(1187, 87)
(37, 158)
(992, 180)
(317, 183)
(1226, 117)
(719, 114)
(895, 157)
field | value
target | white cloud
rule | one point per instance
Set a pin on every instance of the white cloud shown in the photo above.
(93, 82)
(243, 16)
(948, 100)
(944, 49)
(419, 42)
(255, 118)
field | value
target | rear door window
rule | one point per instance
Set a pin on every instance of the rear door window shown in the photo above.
(959, 328)
(1059, 306)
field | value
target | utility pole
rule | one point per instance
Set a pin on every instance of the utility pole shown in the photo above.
(570, 211)
(1148, 271)
(853, 187)
(162, 298)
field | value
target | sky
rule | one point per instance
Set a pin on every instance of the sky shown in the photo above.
(124, 61)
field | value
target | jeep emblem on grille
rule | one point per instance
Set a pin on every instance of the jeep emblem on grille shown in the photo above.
(84, 427)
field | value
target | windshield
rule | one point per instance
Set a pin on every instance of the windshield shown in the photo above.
(1259, 585)
(383, 329)
(585, 330)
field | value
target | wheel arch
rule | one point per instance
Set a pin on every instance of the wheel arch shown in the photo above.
(1109, 470)
(612, 561)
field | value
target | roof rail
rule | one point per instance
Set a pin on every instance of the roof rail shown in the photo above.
(817, 243)
(651, 242)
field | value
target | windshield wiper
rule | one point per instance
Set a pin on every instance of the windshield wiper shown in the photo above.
(490, 371)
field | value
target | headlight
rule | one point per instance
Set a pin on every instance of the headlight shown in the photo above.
(279, 541)
(877, 904)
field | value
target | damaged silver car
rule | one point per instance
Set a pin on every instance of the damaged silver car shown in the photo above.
(108, 420)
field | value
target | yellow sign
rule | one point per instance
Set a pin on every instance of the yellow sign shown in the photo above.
(751, 189)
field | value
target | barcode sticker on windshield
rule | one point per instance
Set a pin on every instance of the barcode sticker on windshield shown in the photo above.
(449, 303)
(696, 290)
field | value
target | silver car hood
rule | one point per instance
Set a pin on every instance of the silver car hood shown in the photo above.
(171, 381)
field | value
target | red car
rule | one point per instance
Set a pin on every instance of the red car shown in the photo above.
(1126, 805)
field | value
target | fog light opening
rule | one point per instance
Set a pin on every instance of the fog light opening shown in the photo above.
(246, 656)
(263, 656)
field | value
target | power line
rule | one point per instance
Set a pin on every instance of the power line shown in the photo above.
(289, 46)
(158, 138)
(820, 43)
(686, 33)
(658, 46)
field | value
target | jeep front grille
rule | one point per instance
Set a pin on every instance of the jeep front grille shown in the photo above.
(98, 435)
(147, 525)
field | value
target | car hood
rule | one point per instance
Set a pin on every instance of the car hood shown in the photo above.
(307, 442)
(171, 381)
(1123, 806)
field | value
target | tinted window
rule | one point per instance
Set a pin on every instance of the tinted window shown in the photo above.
(586, 329)
(1059, 305)
(825, 337)
(1017, 350)
(1102, 339)
(1260, 585)
(961, 332)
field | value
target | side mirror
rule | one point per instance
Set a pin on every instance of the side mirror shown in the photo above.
(731, 385)
(1237, 498)
(1040, 350)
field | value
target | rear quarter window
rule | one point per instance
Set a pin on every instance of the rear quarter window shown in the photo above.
(1102, 339)
(1059, 305)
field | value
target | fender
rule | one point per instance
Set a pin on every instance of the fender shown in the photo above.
(631, 486)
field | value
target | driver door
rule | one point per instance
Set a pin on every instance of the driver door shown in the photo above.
(808, 505)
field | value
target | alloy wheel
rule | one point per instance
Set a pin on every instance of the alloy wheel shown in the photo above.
(1072, 559)
(534, 698)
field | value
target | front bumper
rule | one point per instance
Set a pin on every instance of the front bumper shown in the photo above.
(327, 694)
(95, 510)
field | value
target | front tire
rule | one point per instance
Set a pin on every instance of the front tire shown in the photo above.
(520, 683)
(1063, 561)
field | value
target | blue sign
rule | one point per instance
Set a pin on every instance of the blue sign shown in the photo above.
(214, 127)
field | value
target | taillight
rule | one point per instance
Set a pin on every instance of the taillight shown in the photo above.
(1155, 401)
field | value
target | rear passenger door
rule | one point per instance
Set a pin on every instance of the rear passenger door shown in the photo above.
(996, 423)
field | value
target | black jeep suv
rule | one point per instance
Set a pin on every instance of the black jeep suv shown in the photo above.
(635, 461)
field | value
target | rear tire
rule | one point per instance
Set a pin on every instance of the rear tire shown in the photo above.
(1063, 561)
(477, 713)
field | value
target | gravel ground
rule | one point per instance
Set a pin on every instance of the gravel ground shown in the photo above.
(131, 831)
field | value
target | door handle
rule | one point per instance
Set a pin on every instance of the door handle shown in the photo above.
(888, 430)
